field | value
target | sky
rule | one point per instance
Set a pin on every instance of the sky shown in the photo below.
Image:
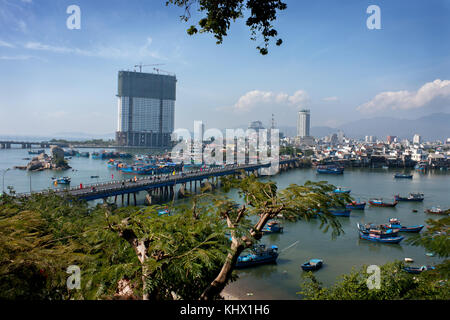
(55, 80)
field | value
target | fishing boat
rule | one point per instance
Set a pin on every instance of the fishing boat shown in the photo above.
(341, 212)
(312, 265)
(403, 176)
(272, 227)
(394, 223)
(83, 154)
(437, 210)
(330, 169)
(410, 197)
(259, 255)
(381, 230)
(96, 155)
(418, 270)
(36, 151)
(62, 180)
(341, 190)
(356, 205)
(376, 237)
(381, 203)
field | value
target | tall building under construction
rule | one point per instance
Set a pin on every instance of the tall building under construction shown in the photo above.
(146, 103)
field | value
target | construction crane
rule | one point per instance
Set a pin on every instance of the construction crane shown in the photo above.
(169, 73)
(146, 65)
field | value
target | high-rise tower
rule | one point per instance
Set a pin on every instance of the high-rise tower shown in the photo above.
(146, 103)
(303, 123)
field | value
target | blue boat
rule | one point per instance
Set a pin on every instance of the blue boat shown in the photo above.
(36, 151)
(259, 255)
(341, 212)
(411, 197)
(272, 227)
(312, 265)
(330, 169)
(378, 238)
(395, 224)
(356, 205)
(341, 190)
(418, 270)
(403, 176)
(163, 212)
(63, 180)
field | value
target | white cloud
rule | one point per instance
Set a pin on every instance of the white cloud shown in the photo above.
(406, 100)
(19, 57)
(130, 52)
(6, 44)
(256, 98)
(331, 99)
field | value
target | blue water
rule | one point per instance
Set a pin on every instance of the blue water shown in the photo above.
(282, 281)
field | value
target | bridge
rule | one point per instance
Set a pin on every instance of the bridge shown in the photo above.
(26, 144)
(160, 185)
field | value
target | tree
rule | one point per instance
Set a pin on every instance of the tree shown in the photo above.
(220, 13)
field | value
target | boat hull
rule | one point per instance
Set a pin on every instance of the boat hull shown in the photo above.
(358, 206)
(391, 240)
(257, 261)
(383, 204)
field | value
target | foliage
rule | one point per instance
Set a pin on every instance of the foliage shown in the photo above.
(395, 284)
(220, 14)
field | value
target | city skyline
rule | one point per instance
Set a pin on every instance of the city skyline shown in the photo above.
(61, 80)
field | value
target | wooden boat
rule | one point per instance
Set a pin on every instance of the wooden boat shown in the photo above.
(356, 205)
(330, 169)
(381, 230)
(395, 224)
(410, 197)
(437, 210)
(312, 265)
(272, 227)
(403, 176)
(341, 190)
(63, 180)
(380, 203)
(259, 255)
(417, 270)
(341, 212)
(377, 238)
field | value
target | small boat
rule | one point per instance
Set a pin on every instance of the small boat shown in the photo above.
(341, 190)
(259, 255)
(312, 265)
(63, 180)
(417, 270)
(273, 227)
(403, 176)
(437, 210)
(380, 203)
(94, 177)
(356, 205)
(377, 238)
(410, 197)
(163, 212)
(394, 223)
(341, 212)
(36, 151)
(409, 260)
(330, 169)
(381, 230)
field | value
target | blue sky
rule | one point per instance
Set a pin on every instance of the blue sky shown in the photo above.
(53, 79)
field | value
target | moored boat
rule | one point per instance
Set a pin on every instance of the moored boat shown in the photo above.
(410, 197)
(341, 212)
(394, 223)
(312, 265)
(377, 238)
(341, 190)
(272, 227)
(437, 210)
(417, 270)
(381, 230)
(330, 169)
(356, 205)
(62, 180)
(403, 176)
(381, 203)
(259, 255)
(36, 151)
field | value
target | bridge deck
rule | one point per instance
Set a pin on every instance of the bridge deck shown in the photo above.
(119, 187)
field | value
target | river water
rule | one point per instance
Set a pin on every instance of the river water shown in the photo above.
(282, 280)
